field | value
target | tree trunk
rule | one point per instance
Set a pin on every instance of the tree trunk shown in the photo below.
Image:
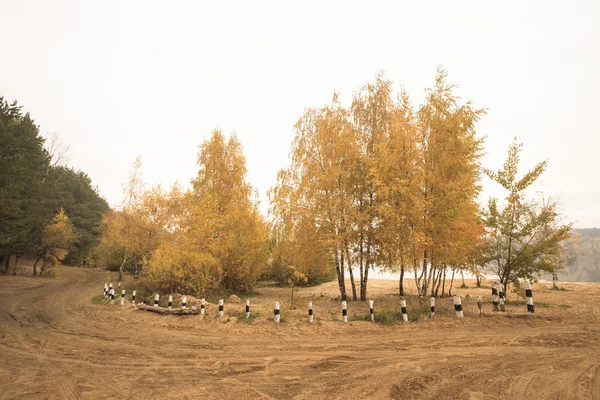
(35, 264)
(429, 277)
(451, 283)
(435, 284)
(172, 311)
(439, 281)
(340, 275)
(418, 276)
(351, 278)
(121, 267)
(401, 281)
(7, 264)
(363, 286)
(2, 258)
(444, 283)
(17, 256)
(478, 280)
(423, 278)
(361, 260)
(462, 273)
(43, 269)
(347, 252)
(363, 282)
(292, 299)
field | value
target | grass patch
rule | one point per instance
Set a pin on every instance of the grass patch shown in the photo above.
(360, 317)
(98, 299)
(381, 317)
(565, 306)
(541, 304)
(416, 310)
(241, 317)
(464, 286)
(560, 289)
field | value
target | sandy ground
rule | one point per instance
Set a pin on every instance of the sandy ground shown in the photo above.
(56, 344)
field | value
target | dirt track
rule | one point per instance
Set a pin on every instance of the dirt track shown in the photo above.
(56, 344)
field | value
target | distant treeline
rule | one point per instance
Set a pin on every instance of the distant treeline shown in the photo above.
(47, 211)
(586, 247)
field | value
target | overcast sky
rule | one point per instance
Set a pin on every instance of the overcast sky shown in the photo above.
(117, 79)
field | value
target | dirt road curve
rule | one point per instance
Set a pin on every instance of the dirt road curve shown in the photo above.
(56, 344)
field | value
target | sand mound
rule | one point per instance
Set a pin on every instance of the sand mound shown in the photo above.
(233, 299)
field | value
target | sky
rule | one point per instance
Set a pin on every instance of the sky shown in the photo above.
(118, 79)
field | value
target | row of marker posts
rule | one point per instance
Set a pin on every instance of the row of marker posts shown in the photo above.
(109, 293)
(497, 301)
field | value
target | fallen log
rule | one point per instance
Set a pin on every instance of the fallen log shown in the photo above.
(172, 311)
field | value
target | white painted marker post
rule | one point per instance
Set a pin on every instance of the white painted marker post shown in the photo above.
(184, 302)
(529, 295)
(480, 305)
(310, 312)
(404, 313)
(345, 311)
(202, 305)
(495, 296)
(105, 290)
(458, 306)
(371, 309)
(112, 295)
(110, 287)
(123, 297)
(156, 298)
(432, 305)
(501, 296)
(276, 312)
(133, 297)
(247, 308)
(170, 304)
(221, 308)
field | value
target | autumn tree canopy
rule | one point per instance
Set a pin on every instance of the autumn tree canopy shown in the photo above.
(381, 185)
(525, 236)
(211, 237)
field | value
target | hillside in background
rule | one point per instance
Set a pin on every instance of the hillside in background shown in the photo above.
(587, 265)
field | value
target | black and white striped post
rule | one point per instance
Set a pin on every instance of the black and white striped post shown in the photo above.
(432, 305)
(458, 307)
(105, 290)
(170, 304)
(133, 297)
(501, 296)
(247, 308)
(310, 312)
(110, 287)
(371, 310)
(221, 308)
(529, 295)
(123, 297)
(345, 311)
(184, 302)
(202, 306)
(156, 298)
(404, 313)
(112, 295)
(480, 305)
(495, 296)
(276, 312)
